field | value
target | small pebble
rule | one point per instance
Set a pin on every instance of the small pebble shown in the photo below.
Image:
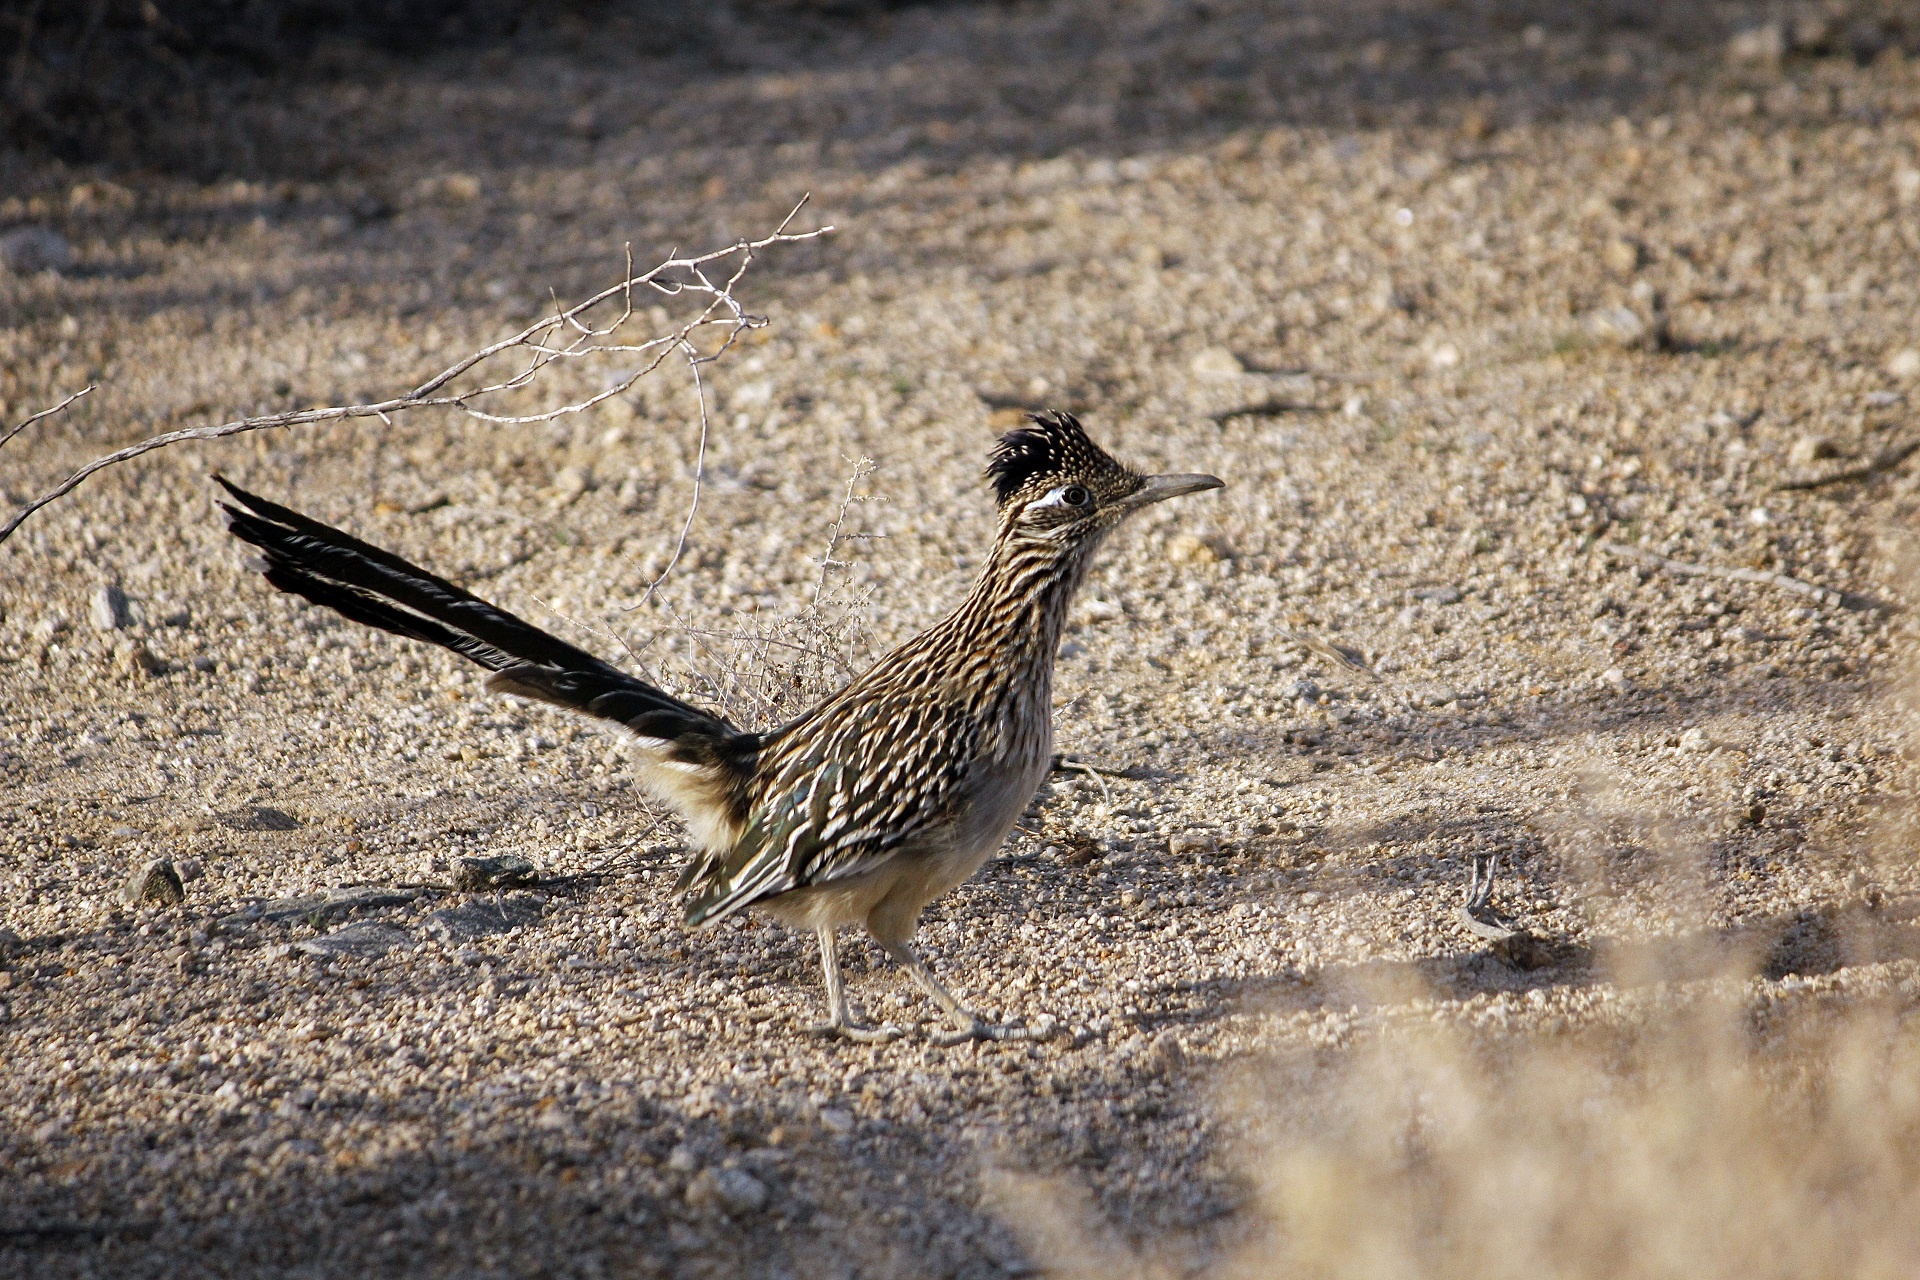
(1809, 449)
(1184, 548)
(135, 658)
(1615, 327)
(1761, 46)
(734, 1192)
(569, 483)
(1217, 362)
(1621, 255)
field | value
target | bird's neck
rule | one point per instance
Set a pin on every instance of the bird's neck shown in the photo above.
(1018, 607)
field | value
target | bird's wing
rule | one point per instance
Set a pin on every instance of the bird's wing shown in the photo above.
(842, 793)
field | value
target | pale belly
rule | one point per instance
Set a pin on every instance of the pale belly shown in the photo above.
(888, 899)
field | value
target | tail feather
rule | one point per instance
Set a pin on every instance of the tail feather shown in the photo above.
(365, 584)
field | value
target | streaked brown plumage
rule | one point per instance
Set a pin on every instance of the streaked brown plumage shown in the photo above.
(868, 806)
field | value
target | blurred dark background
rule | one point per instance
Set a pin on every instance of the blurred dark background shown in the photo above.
(93, 80)
(175, 85)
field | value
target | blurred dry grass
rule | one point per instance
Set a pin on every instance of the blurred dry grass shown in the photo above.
(1725, 1133)
(1656, 1123)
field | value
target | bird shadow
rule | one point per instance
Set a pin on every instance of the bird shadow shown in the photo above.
(1809, 942)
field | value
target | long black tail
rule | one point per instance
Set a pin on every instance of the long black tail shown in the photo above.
(378, 588)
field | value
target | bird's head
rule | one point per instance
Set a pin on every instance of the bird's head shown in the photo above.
(1054, 484)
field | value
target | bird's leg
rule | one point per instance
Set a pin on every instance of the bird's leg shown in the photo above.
(838, 1022)
(971, 1026)
(1510, 942)
(1479, 900)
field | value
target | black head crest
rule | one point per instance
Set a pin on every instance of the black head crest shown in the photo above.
(1052, 450)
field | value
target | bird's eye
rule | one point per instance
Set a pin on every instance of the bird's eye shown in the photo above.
(1075, 496)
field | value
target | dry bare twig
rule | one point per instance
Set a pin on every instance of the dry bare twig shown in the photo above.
(567, 334)
(43, 414)
(862, 468)
(1686, 570)
(1885, 460)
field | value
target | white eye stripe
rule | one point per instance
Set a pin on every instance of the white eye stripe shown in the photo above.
(1059, 497)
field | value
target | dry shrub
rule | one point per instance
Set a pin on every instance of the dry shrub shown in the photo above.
(1716, 1137)
(764, 670)
(1682, 1149)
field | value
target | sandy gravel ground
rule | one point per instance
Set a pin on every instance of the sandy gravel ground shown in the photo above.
(1456, 302)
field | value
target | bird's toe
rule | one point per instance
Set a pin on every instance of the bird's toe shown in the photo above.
(856, 1032)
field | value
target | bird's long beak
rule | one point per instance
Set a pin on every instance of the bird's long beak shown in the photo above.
(1159, 488)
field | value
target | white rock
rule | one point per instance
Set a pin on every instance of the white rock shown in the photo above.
(1615, 326)
(1217, 362)
(111, 609)
(1905, 363)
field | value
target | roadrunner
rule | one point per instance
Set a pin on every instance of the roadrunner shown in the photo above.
(867, 807)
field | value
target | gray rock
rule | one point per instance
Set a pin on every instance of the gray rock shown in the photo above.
(485, 916)
(504, 871)
(363, 940)
(112, 611)
(155, 884)
(27, 250)
(1438, 595)
(734, 1192)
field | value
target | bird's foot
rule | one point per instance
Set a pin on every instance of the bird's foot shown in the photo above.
(857, 1032)
(973, 1027)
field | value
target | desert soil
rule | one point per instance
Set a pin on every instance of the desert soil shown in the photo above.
(1475, 311)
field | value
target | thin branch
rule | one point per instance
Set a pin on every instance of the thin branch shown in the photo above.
(1270, 409)
(699, 474)
(1761, 577)
(44, 413)
(861, 470)
(545, 341)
